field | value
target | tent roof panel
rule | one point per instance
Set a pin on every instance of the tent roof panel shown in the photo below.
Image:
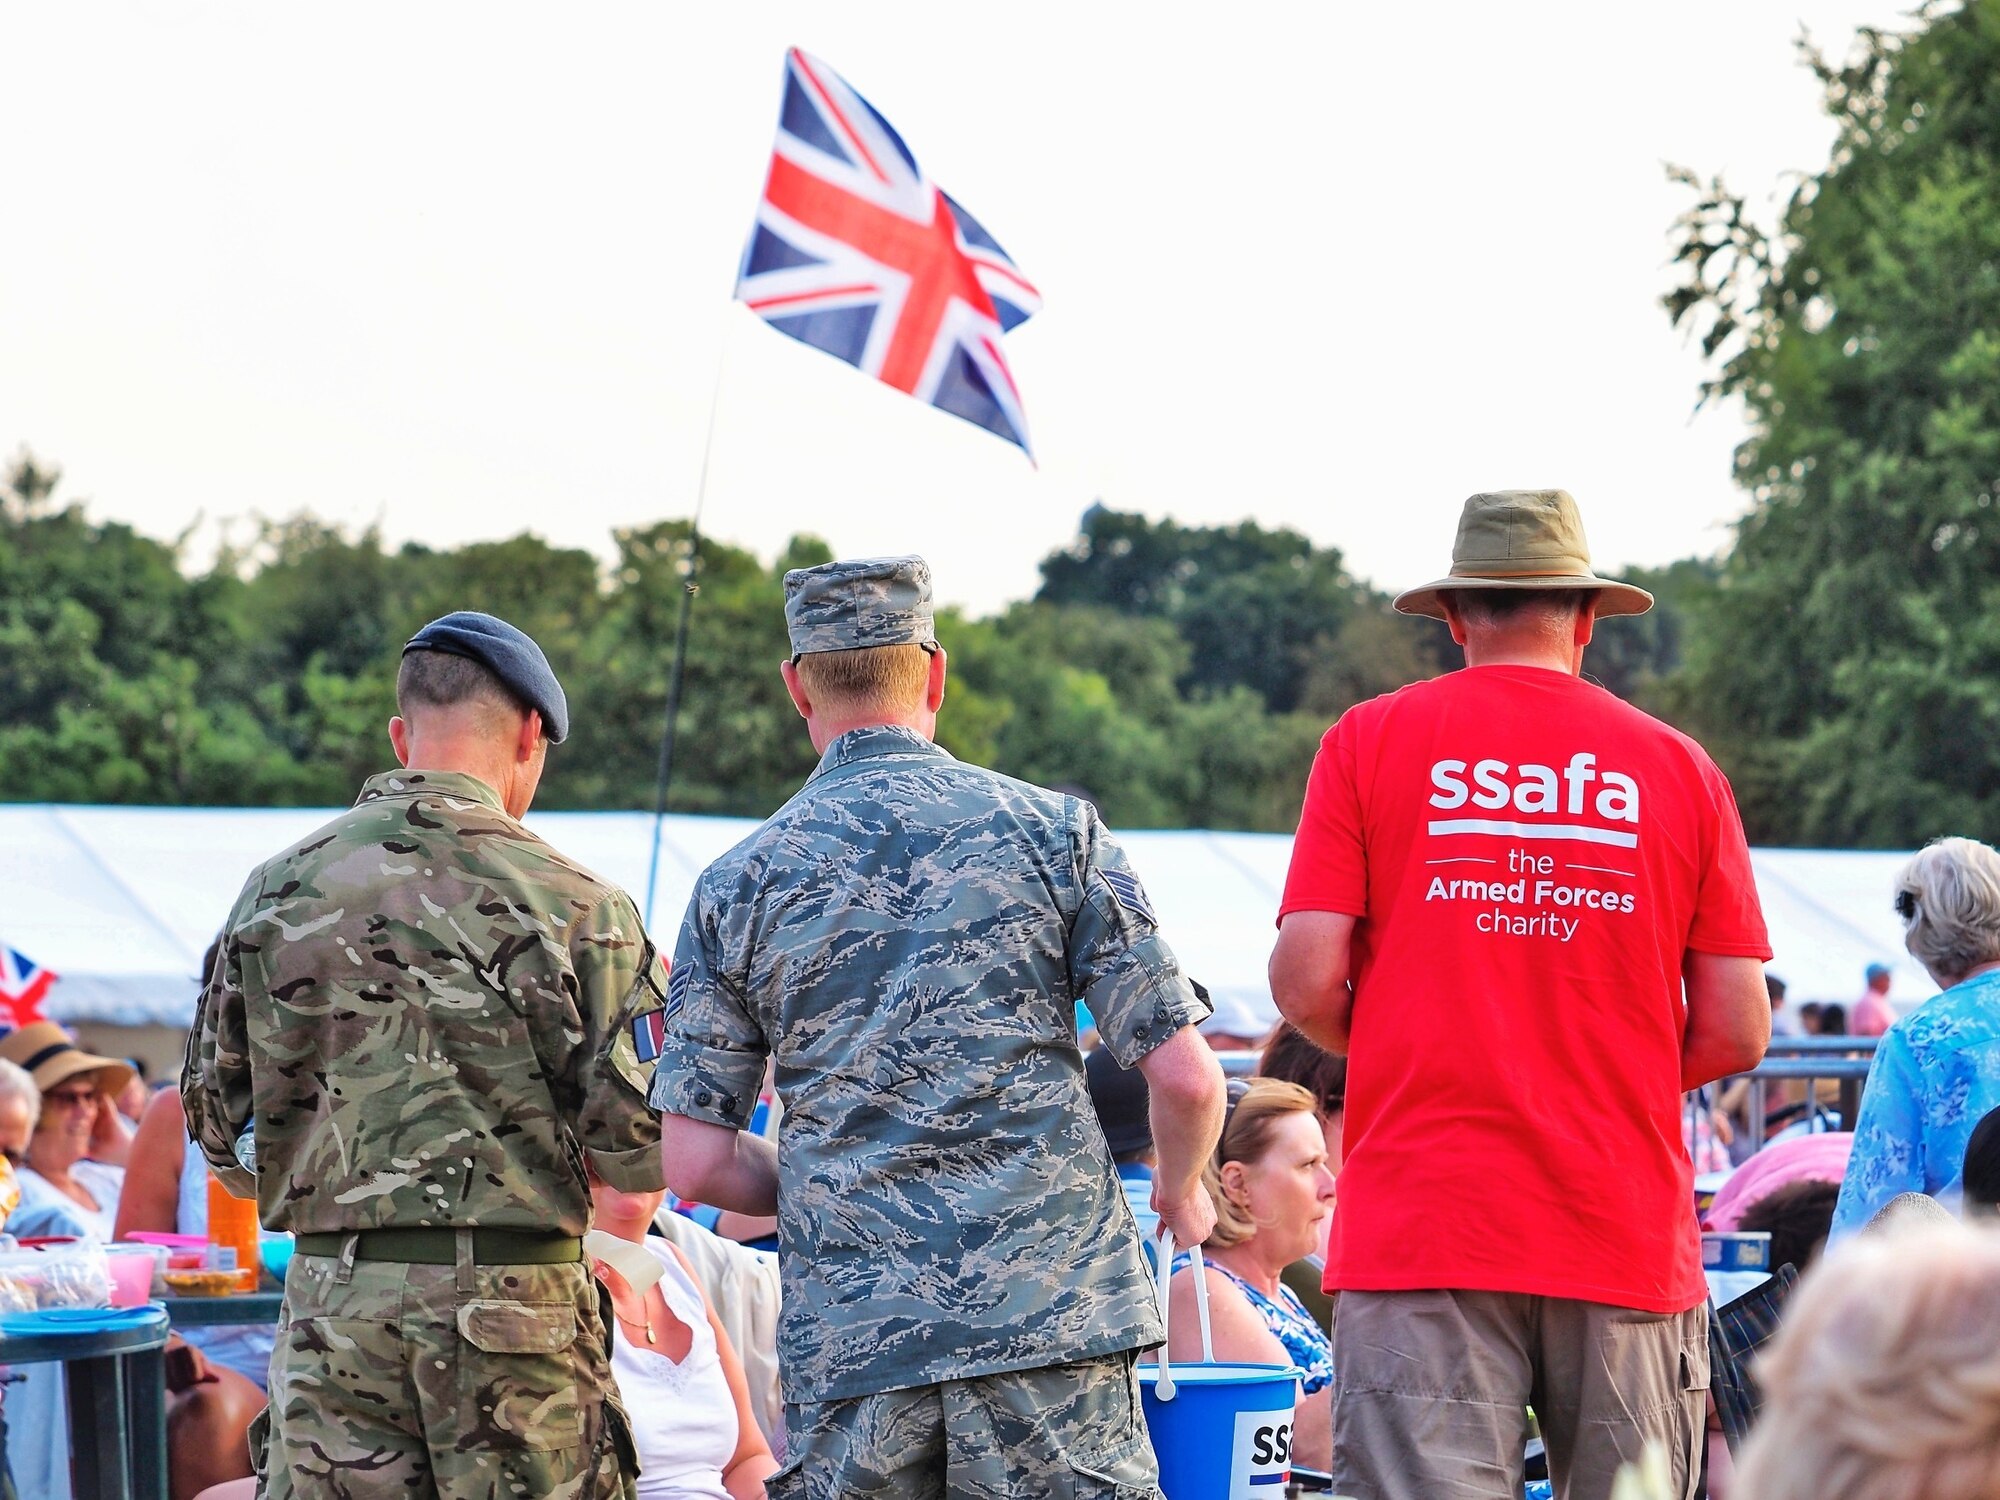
(122, 901)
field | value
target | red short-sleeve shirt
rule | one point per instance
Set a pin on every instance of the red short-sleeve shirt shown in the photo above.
(1530, 857)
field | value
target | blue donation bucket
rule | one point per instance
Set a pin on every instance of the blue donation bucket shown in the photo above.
(1221, 1431)
(1227, 1434)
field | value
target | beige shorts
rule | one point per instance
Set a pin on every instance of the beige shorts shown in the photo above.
(1431, 1389)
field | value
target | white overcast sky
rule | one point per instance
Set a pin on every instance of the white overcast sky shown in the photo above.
(465, 269)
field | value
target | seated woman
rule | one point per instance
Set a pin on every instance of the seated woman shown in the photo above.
(1937, 1070)
(1881, 1379)
(679, 1378)
(76, 1089)
(1294, 1057)
(1273, 1192)
(217, 1392)
(682, 1384)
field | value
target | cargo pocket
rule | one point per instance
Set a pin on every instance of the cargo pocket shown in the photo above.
(788, 1482)
(1126, 1472)
(1694, 1361)
(518, 1380)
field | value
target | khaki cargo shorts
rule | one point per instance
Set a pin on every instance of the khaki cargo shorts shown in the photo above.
(1431, 1390)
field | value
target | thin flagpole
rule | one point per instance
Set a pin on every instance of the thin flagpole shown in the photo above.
(690, 585)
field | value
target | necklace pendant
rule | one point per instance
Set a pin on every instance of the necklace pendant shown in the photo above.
(649, 1330)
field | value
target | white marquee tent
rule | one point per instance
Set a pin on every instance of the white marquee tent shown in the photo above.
(121, 901)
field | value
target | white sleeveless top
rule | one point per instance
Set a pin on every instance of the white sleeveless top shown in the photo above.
(683, 1417)
(244, 1348)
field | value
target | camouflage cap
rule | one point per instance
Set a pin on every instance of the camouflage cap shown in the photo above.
(860, 601)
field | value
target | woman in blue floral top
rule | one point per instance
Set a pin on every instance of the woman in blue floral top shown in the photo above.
(1273, 1192)
(1937, 1070)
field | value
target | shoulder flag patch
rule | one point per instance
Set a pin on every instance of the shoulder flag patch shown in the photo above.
(677, 992)
(649, 1035)
(1131, 895)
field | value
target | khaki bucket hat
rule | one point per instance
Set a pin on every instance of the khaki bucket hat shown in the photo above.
(1523, 539)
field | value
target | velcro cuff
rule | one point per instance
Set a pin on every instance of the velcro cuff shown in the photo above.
(717, 1084)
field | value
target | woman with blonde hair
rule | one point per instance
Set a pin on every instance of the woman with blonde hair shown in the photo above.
(1884, 1381)
(1937, 1070)
(1272, 1187)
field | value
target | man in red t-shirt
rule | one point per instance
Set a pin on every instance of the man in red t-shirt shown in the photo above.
(1525, 911)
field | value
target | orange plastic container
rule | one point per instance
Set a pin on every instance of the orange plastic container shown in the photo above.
(232, 1224)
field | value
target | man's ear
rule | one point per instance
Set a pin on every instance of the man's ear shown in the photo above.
(399, 739)
(1586, 622)
(530, 737)
(934, 688)
(790, 672)
(1453, 619)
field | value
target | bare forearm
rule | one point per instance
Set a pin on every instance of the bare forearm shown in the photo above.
(739, 1171)
(1728, 1017)
(1186, 1124)
(1310, 974)
(745, 1479)
(1704, 1059)
(1327, 1020)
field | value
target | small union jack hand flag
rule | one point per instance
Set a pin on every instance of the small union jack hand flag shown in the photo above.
(23, 986)
(856, 252)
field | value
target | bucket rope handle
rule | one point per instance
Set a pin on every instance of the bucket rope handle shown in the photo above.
(1163, 1388)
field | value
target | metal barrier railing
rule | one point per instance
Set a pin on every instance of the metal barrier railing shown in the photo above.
(1811, 1060)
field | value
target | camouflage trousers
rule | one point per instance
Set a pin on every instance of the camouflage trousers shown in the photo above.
(456, 1382)
(1064, 1432)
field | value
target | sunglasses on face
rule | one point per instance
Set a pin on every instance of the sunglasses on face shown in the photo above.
(1906, 906)
(69, 1098)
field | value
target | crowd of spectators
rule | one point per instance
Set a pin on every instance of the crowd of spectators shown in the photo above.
(1864, 1372)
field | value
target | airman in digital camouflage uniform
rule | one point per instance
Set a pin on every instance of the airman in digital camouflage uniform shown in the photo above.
(427, 1013)
(963, 1284)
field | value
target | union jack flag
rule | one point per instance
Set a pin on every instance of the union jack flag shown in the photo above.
(649, 1035)
(23, 986)
(856, 252)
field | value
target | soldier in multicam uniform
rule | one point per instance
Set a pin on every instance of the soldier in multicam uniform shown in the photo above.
(426, 1014)
(964, 1291)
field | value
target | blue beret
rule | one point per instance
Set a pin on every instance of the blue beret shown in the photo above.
(509, 654)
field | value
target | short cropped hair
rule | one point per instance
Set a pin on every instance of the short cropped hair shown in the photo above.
(443, 679)
(1505, 606)
(1881, 1383)
(868, 679)
(1294, 1057)
(1255, 1108)
(1949, 898)
(1798, 1217)
(17, 1082)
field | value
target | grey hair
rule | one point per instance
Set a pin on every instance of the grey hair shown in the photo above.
(1880, 1384)
(15, 1080)
(1949, 893)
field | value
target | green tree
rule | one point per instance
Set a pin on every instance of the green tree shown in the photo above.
(1250, 603)
(1847, 662)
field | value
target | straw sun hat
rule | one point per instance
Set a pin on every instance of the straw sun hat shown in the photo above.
(50, 1057)
(1523, 539)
